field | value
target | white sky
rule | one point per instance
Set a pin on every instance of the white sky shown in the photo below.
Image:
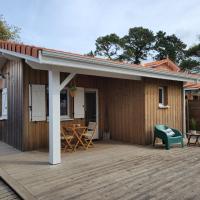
(74, 25)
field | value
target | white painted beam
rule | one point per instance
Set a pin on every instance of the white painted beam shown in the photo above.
(10, 57)
(67, 80)
(54, 118)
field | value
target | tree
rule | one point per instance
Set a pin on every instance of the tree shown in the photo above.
(193, 58)
(169, 46)
(137, 44)
(108, 46)
(194, 51)
(189, 64)
(8, 32)
(91, 54)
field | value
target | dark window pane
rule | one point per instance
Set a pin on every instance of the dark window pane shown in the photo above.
(161, 96)
(63, 102)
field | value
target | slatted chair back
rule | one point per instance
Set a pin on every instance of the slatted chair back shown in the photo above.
(88, 136)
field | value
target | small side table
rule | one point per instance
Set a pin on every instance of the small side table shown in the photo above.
(190, 135)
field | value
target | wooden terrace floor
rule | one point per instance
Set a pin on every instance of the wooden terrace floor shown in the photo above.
(108, 171)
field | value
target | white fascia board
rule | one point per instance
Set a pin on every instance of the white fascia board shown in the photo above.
(63, 62)
(187, 89)
(62, 59)
(12, 55)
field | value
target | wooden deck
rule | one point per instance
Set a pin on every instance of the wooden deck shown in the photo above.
(108, 171)
(6, 193)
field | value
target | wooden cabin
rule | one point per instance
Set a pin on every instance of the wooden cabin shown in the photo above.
(125, 100)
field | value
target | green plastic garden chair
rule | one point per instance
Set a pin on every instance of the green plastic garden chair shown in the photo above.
(159, 132)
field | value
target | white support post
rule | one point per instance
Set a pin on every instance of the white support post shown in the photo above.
(54, 118)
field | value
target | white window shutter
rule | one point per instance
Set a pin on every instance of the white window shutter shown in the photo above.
(4, 103)
(37, 103)
(79, 103)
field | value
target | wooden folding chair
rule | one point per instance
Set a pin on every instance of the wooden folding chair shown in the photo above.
(89, 134)
(66, 139)
(78, 132)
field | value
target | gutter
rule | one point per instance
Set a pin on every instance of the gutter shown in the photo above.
(52, 58)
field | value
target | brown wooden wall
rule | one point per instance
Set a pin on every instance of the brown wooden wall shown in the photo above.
(127, 108)
(194, 112)
(125, 102)
(11, 129)
(122, 100)
(36, 133)
(171, 116)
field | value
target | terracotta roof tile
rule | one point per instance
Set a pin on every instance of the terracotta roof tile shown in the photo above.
(34, 52)
(20, 48)
(156, 64)
(192, 85)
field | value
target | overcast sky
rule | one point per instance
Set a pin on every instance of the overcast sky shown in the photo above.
(73, 25)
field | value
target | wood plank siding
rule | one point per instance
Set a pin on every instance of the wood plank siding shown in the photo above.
(11, 129)
(121, 108)
(194, 112)
(171, 116)
(36, 133)
(125, 104)
(127, 108)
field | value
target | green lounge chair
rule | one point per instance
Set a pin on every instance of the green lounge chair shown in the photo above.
(159, 132)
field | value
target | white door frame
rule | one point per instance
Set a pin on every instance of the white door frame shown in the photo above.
(97, 106)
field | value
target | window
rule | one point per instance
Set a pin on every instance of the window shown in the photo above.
(64, 102)
(163, 96)
(3, 104)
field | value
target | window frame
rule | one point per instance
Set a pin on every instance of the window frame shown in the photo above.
(164, 93)
(62, 117)
(68, 105)
(4, 117)
(163, 96)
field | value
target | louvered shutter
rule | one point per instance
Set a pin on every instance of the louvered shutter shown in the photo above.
(37, 102)
(79, 102)
(4, 103)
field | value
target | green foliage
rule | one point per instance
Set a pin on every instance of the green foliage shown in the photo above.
(8, 32)
(169, 46)
(108, 46)
(188, 64)
(91, 54)
(137, 44)
(141, 42)
(193, 124)
(194, 51)
(72, 87)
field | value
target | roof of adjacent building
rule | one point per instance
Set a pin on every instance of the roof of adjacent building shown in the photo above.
(192, 86)
(166, 63)
(163, 67)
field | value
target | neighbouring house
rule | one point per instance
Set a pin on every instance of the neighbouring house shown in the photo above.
(126, 100)
(192, 91)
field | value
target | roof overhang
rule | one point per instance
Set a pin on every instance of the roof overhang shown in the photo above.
(72, 63)
(2, 61)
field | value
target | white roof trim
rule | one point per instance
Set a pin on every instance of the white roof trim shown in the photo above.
(49, 60)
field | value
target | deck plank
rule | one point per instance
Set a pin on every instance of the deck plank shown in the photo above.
(108, 171)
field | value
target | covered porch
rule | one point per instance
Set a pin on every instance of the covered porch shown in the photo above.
(109, 171)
